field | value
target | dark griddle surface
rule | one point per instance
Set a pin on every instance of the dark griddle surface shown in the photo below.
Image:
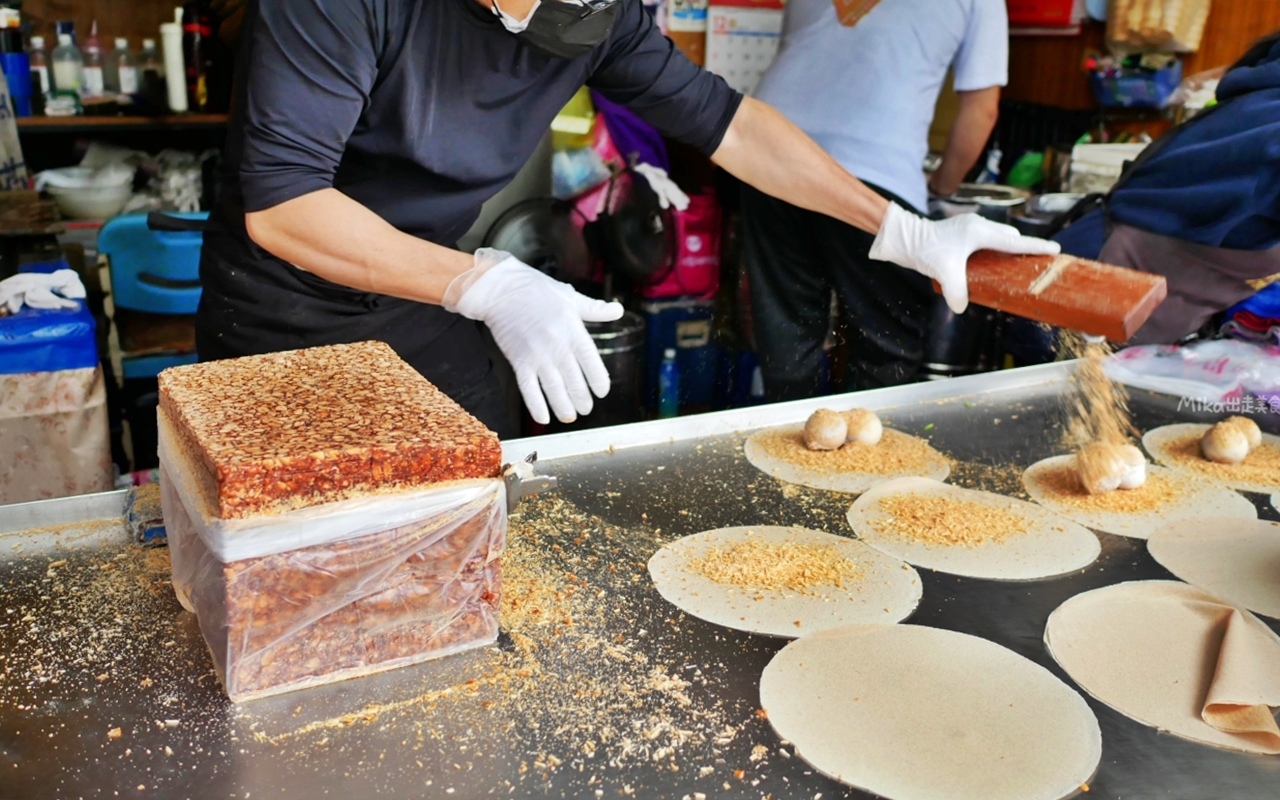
(53, 742)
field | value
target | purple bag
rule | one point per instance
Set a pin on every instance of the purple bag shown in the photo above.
(630, 134)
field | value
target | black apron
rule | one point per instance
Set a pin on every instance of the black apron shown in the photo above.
(255, 303)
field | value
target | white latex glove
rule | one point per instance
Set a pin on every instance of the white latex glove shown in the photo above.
(669, 195)
(941, 250)
(41, 290)
(537, 323)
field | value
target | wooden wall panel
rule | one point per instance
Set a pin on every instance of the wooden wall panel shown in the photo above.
(1233, 25)
(1048, 69)
(134, 19)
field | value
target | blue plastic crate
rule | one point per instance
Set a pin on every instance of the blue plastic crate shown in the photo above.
(153, 271)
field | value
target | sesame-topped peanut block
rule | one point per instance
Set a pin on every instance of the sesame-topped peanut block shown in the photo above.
(281, 431)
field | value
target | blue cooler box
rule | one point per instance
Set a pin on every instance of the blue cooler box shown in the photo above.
(685, 324)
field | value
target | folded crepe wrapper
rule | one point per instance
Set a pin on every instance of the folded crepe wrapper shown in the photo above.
(1176, 658)
(1246, 680)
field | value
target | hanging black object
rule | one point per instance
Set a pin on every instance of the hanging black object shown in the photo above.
(543, 233)
(636, 241)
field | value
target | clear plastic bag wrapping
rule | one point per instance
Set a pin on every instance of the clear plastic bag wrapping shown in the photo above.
(396, 589)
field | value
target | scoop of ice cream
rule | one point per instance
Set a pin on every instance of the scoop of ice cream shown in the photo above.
(825, 430)
(1225, 443)
(864, 426)
(1248, 427)
(1101, 466)
(1135, 467)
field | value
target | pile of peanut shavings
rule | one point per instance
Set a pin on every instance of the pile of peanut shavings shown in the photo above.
(776, 566)
(948, 522)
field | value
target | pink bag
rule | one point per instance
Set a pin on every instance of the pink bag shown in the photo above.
(697, 267)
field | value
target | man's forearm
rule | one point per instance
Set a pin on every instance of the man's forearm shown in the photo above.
(979, 111)
(330, 235)
(763, 149)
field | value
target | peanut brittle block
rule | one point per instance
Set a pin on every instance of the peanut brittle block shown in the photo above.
(271, 433)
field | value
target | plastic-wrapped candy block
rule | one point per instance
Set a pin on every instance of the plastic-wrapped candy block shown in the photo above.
(319, 556)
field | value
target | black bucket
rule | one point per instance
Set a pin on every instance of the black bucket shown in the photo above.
(621, 347)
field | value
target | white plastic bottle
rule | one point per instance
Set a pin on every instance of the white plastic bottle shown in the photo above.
(68, 66)
(94, 78)
(174, 67)
(122, 69)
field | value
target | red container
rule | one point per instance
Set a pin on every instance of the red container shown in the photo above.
(697, 269)
(1040, 13)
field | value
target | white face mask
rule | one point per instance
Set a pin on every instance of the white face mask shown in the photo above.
(512, 24)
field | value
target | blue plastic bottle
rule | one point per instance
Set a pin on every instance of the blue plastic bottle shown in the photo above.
(668, 385)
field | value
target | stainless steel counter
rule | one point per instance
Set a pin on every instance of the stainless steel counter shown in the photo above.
(130, 659)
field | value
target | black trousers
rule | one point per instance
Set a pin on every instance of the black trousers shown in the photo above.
(794, 259)
(254, 303)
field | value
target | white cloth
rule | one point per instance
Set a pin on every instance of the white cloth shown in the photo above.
(941, 250)
(41, 290)
(669, 194)
(537, 323)
(866, 94)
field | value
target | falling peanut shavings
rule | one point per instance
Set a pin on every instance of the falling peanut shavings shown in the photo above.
(776, 566)
(948, 522)
(1097, 407)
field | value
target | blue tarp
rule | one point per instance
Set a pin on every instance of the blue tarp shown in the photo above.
(1265, 304)
(47, 340)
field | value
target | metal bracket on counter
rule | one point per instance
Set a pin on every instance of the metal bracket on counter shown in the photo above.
(521, 482)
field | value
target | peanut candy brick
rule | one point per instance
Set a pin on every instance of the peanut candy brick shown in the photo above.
(275, 432)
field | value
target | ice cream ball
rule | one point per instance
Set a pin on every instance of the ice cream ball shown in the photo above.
(1101, 466)
(1248, 427)
(864, 426)
(1225, 443)
(825, 430)
(1135, 467)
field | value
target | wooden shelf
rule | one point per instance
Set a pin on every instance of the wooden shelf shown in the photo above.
(82, 123)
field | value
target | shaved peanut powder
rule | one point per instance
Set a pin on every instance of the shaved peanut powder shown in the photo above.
(1097, 407)
(897, 453)
(776, 566)
(1262, 465)
(1063, 484)
(948, 521)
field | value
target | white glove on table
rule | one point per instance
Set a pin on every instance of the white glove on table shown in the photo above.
(941, 250)
(669, 194)
(41, 290)
(537, 323)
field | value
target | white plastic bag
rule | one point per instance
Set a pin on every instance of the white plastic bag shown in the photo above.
(1211, 371)
(338, 590)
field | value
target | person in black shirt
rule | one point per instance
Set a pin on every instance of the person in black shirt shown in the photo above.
(366, 134)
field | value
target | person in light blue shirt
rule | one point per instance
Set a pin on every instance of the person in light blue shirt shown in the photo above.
(865, 90)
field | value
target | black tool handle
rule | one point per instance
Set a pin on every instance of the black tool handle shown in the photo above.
(160, 221)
